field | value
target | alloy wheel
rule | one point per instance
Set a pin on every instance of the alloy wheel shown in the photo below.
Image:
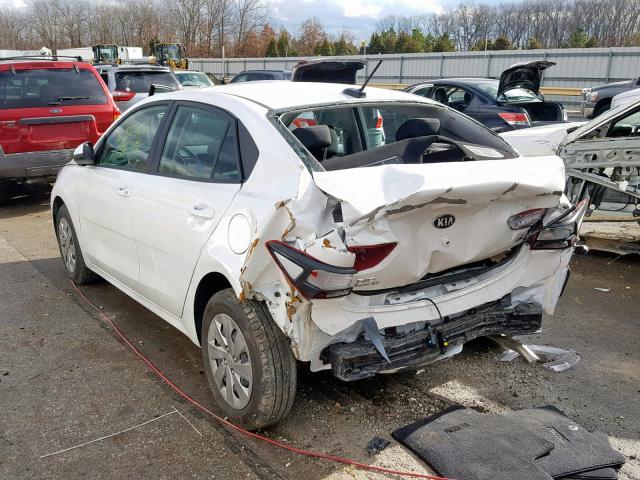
(67, 245)
(230, 361)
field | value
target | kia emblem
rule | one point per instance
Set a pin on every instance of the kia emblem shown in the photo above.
(444, 221)
(56, 110)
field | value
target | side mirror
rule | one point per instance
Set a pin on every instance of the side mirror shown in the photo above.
(84, 154)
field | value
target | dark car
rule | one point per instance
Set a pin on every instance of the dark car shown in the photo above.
(48, 106)
(597, 100)
(253, 75)
(512, 102)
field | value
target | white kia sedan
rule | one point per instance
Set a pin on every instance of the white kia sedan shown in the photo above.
(267, 238)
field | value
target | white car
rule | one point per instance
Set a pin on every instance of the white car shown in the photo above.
(625, 98)
(268, 245)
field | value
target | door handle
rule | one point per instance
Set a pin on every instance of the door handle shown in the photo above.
(124, 191)
(202, 210)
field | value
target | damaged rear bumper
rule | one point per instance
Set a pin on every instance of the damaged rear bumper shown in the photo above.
(361, 359)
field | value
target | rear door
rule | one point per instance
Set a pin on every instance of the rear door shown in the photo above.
(51, 107)
(106, 192)
(177, 208)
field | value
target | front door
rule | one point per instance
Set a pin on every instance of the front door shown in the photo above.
(178, 207)
(107, 189)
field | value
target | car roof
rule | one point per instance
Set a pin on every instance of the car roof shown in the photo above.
(133, 68)
(283, 94)
(5, 64)
(263, 71)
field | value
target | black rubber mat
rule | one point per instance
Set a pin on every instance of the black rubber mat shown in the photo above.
(575, 449)
(467, 445)
(599, 474)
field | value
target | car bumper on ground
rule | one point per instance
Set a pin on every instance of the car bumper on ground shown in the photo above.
(33, 164)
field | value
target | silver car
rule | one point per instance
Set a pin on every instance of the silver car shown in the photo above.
(129, 84)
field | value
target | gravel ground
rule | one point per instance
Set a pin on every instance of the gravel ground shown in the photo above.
(66, 380)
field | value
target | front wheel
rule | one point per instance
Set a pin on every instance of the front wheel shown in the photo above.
(250, 367)
(70, 249)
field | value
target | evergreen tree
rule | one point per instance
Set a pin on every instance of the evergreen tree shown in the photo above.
(272, 48)
(444, 44)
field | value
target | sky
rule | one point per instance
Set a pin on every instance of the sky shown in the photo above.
(356, 16)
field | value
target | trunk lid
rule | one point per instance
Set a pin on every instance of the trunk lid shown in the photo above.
(327, 71)
(441, 216)
(526, 75)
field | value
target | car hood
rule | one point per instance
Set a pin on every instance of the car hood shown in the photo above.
(327, 71)
(614, 84)
(526, 75)
(537, 141)
(599, 121)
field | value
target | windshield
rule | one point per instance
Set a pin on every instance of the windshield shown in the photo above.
(373, 126)
(194, 79)
(106, 53)
(511, 95)
(170, 52)
(48, 86)
(140, 82)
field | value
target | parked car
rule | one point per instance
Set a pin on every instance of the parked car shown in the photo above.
(267, 244)
(48, 106)
(597, 100)
(195, 79)
(514, 101)
(599, 155)
(253, 75)
(130, 84)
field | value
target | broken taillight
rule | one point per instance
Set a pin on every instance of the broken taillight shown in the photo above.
(313, 279)
(525, 219)
(368, 256)
(515, 119)
(562, 233)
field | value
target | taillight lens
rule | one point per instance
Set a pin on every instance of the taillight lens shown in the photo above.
(525, 219)
(313, 279)
(562, 233)
(368, 256)
(122, 95)
(515, 119)
(379, 121)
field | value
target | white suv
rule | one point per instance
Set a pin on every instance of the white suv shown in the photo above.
(327, 242)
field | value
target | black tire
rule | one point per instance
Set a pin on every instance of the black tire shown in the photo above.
(600, 109)
(78, 272)
(272, 364)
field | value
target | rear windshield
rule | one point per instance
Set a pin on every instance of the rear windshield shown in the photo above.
(49, 86)
(140, 82)
(369, 127)
(511, 95)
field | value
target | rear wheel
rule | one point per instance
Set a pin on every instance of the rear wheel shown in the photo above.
(250, 367)
(70, 250)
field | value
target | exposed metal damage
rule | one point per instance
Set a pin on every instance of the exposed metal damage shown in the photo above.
(405, 199)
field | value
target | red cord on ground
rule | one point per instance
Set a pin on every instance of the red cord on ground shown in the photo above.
(232, 426)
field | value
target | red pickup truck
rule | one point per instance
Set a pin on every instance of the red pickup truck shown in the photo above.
(48, 106)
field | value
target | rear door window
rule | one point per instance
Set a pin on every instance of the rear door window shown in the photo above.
(201, 144)
(140, 82)
(36, 88)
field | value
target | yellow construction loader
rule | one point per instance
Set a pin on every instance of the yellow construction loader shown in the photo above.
(172, 55)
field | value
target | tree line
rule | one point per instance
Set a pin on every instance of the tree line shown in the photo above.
(245, 28)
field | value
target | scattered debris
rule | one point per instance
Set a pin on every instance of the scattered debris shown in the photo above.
(601, 289)
(555, 359)
(376, 445)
